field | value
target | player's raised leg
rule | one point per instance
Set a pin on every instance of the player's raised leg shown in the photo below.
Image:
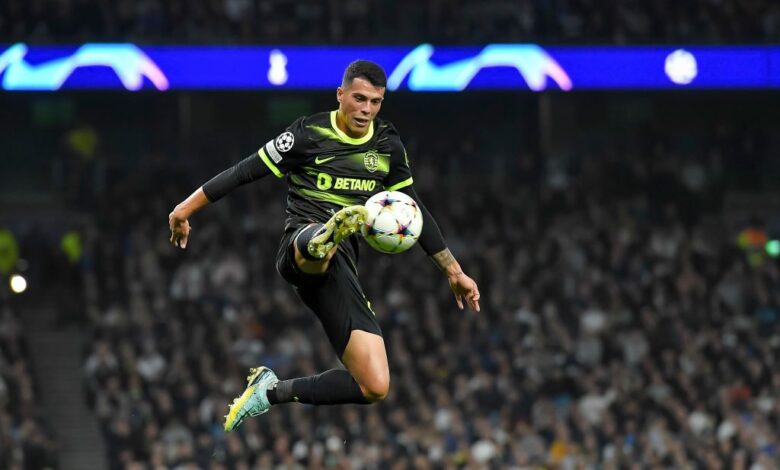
(316, 241)
(337, 299)
(366, 360)
(366, 380)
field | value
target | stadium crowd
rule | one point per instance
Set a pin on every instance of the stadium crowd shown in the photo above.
(617, 330)
(399, 22)
(25, 440)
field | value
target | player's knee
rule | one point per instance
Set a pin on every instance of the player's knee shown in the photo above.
(376, 388)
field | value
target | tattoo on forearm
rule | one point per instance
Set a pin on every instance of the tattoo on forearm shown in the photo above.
(443, 258)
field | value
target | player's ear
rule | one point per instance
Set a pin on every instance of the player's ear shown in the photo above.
(339, 94)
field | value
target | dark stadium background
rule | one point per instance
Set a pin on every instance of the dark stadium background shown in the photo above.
(629, 302)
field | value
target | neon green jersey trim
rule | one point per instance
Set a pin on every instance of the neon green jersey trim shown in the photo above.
(327, 197)
(402, 184)
(310, 171)
(268, 163)
(326, 132)
(297, 180)
(347, 139)
(383, 164)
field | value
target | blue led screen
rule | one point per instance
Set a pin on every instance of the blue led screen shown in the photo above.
(417, 68)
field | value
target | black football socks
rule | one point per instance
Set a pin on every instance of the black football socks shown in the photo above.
(332, 387)
(304, 237)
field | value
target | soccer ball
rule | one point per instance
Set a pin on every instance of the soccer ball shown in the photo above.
(394, 222)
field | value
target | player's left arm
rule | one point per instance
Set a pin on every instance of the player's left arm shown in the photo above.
(400, 179)
(432, 241)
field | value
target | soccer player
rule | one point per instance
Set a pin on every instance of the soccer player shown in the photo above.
(333, 162)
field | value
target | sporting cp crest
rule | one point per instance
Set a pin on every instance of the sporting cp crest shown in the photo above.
(371, 161)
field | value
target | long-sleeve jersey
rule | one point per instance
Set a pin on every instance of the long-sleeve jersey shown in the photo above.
(326, 170)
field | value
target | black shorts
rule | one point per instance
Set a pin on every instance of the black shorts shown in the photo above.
(336, 297)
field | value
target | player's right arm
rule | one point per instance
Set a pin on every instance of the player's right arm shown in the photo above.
(277, 156)
(249, 169)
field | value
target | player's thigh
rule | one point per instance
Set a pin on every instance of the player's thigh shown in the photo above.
(288, 267)
(366, 359)
(340, 304)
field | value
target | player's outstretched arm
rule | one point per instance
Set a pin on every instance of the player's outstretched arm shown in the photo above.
(249, 169)
(462, 286)
(178, 218)
(432, 242)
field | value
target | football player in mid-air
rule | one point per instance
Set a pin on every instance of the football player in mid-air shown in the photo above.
(333, 162)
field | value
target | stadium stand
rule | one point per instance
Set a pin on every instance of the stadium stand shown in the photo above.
(25, 439)
(616, 331)
(622, 326)
(401, 22)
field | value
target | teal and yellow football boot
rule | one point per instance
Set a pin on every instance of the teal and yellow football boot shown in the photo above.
(253, 401)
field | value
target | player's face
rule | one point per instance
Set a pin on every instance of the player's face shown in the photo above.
(359, 104)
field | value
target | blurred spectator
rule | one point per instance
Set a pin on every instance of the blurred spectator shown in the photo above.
(402, 22)
(25, 443)
(752, 240)
(616, 332)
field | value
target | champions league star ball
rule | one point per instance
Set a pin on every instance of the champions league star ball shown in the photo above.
(394, 222)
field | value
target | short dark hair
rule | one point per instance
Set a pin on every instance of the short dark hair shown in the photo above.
(371, 71)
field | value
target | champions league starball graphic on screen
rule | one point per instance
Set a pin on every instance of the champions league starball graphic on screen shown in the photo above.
(533, 64)
(128, 62)
(424, 68)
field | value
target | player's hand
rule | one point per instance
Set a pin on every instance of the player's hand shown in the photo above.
(466, 289)
(180, 229)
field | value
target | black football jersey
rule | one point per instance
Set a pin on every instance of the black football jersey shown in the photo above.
(326, 169)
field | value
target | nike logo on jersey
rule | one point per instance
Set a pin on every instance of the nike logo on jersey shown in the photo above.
(321, 160)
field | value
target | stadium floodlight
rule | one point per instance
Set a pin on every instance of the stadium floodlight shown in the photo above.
(773, 248)
(18, 283)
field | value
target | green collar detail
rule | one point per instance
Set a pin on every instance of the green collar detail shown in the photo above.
(347, 139)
